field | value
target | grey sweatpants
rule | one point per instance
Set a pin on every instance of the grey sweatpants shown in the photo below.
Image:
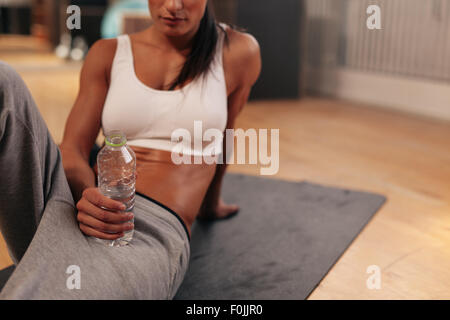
(54, 260)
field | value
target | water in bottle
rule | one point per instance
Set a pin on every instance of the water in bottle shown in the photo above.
(116, 164)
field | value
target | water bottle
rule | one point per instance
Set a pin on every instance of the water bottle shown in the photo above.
(116, 164)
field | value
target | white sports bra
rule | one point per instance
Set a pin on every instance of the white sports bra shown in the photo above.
(148, 116)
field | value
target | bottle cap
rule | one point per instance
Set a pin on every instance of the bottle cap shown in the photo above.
(115, 138)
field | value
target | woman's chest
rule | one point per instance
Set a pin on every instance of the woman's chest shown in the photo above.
(142, 113)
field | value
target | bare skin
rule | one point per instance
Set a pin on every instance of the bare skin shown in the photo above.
(193, 191)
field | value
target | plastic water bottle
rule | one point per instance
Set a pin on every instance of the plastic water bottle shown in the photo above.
(116, 164)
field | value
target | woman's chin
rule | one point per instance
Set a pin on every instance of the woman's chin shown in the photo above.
(172, 30)
(173, 33)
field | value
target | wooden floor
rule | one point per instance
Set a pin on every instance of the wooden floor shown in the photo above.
(403, 157)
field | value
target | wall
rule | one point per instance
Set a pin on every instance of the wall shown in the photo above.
(404, 65)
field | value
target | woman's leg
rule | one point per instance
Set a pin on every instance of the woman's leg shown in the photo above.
(30, 165)
(38, 220)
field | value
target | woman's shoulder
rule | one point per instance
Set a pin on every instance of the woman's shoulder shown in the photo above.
(104, 49)
(242, 55)
(101, 55)
(240, 43)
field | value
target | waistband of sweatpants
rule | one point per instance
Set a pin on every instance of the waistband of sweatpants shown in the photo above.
(168, 209)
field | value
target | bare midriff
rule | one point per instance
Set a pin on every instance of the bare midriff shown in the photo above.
(180, 187)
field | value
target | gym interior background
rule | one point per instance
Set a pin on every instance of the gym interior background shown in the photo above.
(356, 107)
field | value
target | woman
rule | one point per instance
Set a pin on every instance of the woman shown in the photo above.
(145, 84)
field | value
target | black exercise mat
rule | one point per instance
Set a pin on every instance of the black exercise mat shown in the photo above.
(4, 275)
(284, 240)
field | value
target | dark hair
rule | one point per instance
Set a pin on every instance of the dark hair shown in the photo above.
(203, 48)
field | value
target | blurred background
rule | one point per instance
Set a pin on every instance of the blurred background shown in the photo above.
(358, 108)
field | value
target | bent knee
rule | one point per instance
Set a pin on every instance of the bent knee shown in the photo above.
(13, 90)
(8, 75)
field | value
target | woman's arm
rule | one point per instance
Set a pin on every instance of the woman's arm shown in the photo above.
(83, 124)
(243, 62)
(81, 131)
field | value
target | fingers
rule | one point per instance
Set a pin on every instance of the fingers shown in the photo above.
(102, 226)
(232, 208)
(98, 234)
(94, 196)
(103, 215)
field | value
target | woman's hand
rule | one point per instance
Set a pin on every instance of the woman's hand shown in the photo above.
(220, 210)
(101, 217)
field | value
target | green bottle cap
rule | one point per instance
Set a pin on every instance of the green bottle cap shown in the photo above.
(115, 138)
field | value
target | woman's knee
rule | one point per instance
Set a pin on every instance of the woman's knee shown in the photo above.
(15, 98)
(13, 91)
(9, 78)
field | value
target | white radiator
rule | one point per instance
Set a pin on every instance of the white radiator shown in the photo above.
(405, 65)
(414, 40)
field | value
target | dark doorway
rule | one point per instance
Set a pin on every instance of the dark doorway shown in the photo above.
(276, 26)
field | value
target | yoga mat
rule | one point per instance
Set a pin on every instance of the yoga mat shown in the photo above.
(281, 244)
(4, 275)
(283, 241)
